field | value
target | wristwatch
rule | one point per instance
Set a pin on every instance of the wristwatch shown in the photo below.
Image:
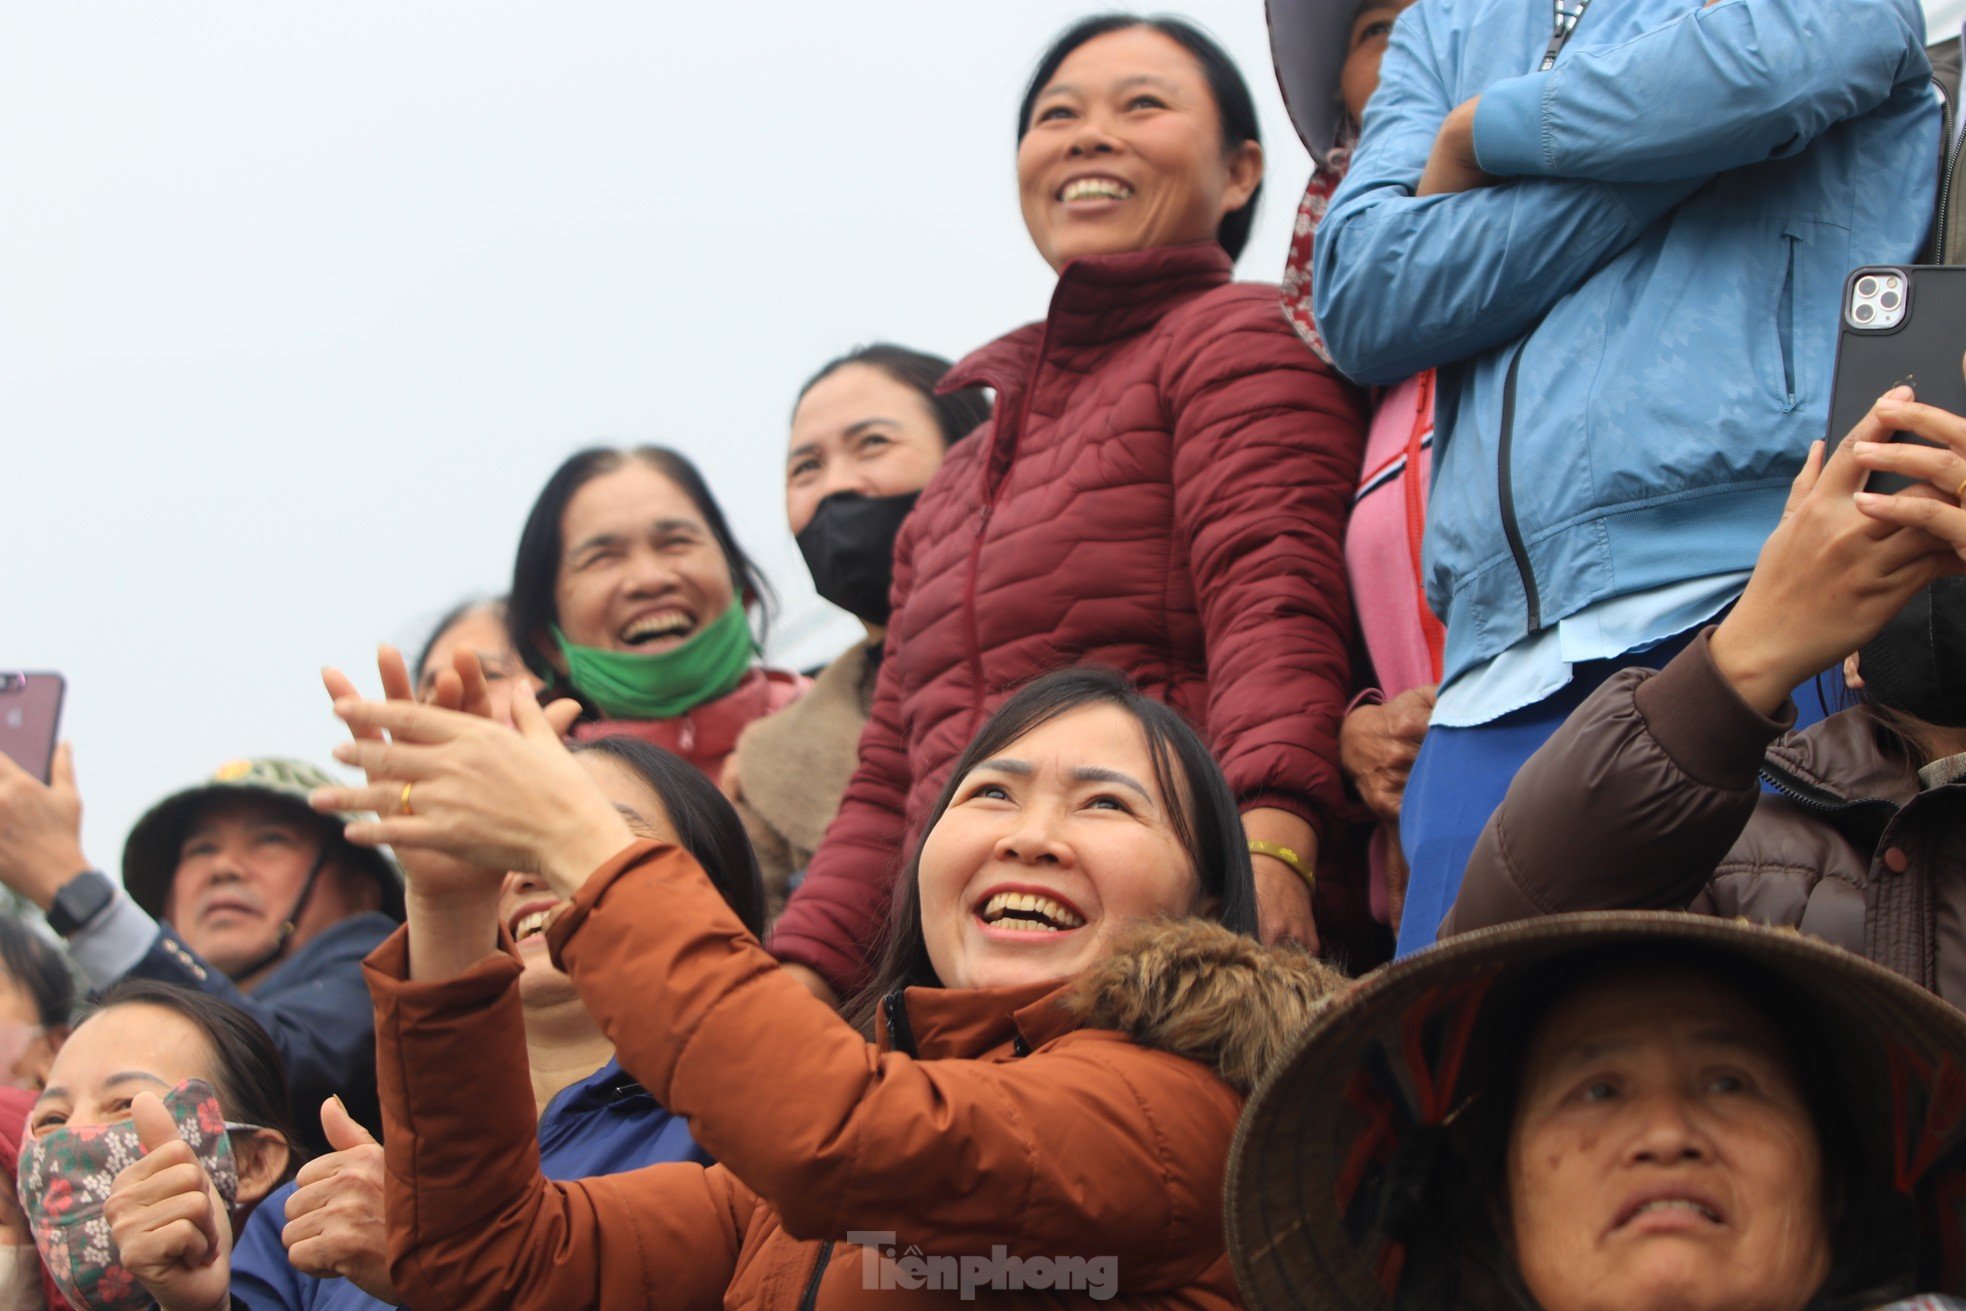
(80, 900)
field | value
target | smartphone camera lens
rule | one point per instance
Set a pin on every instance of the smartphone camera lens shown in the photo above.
(1867, 287)
(12, 682)
(1863, 314)
(1889, 300)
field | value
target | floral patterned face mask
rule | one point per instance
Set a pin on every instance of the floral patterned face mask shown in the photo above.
(65, 1178)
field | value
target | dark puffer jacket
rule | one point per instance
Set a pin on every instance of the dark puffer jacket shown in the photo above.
(1649, 798)
(1163, 488)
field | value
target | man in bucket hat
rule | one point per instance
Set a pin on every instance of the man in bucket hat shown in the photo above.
(1633, 1110)
(232, 887)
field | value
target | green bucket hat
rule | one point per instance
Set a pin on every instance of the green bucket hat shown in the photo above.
(1395, 1062)
(150, 853)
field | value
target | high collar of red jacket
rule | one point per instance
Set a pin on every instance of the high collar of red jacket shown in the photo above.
(1099, 300)
(710, 730)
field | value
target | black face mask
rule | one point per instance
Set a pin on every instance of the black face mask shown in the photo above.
(849, 547)
(1917, 665)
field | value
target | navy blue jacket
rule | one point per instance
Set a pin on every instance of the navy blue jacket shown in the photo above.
(315, 1005)
(605, 1124)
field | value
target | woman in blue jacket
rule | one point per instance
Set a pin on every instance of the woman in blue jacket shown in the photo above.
(1627, 234)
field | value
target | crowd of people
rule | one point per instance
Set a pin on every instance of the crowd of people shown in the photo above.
(1426, 783)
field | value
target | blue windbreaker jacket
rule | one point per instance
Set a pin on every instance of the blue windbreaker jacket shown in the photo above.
(1641, 321)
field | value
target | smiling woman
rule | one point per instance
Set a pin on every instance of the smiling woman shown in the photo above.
(1161, 487)
(630, 595)
(1080, 955)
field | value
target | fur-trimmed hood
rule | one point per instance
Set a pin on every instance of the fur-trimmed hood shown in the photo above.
(1196, 989)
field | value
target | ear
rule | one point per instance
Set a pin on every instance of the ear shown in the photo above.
(549, 650)
(1853, 679)
(262, 1157)
(1245, 175)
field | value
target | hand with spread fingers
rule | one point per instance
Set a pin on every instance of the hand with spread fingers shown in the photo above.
(429, 872)
(169, 1222)
(478, 792)
(1941, 470)
(1831, 575)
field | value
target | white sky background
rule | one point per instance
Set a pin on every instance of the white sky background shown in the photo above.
(300, 305)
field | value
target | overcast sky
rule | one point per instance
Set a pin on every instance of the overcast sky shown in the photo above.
(300, 304)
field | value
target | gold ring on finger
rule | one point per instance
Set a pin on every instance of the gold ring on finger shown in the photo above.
(403, 803)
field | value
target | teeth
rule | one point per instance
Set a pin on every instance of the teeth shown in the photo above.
(656, 626)
(529, 925)
(1031, 910)
(1096, 189)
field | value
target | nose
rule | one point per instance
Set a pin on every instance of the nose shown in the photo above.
(1035, 840)
(519, 884)
(1668, 1132)
(649, 574)
(844, 479)
(1092, 138)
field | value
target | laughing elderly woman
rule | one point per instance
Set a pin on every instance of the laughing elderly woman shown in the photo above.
(1631, 1111)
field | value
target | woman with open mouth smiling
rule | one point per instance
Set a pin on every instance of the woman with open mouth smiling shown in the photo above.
(1044, 1079)
(631, 596)
(1162, 487)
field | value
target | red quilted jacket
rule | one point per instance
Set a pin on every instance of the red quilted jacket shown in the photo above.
(1163, 489)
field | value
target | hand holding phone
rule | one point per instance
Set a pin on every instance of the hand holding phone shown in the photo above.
(40, 829)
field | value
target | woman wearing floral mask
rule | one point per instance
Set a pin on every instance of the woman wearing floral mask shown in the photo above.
(631, 596)
(163, 1124)
(868, 433)
(1048, 1068)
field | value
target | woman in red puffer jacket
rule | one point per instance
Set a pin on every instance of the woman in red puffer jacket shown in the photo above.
(1163, 488)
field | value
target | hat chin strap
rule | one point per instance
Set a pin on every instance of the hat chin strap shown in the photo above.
(292, 920)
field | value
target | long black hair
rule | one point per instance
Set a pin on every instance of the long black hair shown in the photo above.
(1233, 103)
(530, 608)
(1203, 810)
(957, 414)
(706, 825)
(248, 1074)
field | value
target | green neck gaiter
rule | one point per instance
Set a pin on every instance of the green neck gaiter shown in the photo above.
(630, 685)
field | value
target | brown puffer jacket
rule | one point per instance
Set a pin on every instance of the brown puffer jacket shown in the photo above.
(1090, 1121)
(1649, 797)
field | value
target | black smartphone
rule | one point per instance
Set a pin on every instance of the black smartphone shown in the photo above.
(1900, 324)
(30, 718)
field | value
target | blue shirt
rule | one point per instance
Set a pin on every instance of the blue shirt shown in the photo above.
(605, 1124)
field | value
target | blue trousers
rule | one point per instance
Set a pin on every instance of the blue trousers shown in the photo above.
(1463, 774)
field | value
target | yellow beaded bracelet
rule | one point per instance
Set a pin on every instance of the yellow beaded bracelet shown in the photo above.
(1287, 856)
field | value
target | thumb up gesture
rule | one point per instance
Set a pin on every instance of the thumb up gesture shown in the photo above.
(335, 1225)
(168, 1220)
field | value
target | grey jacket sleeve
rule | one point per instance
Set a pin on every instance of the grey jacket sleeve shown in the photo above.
(1630, 805)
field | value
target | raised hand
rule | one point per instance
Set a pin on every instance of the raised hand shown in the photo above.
(480, 793)
(1830, 576)
(168, 1220)
(430, 873)
(1942, 469)
(40, 828)
(335, 1226)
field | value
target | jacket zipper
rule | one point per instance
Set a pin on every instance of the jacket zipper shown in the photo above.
(1815, 798)
(811, 1299)
(1785, 320)
(974, 625)
(1532, 601)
